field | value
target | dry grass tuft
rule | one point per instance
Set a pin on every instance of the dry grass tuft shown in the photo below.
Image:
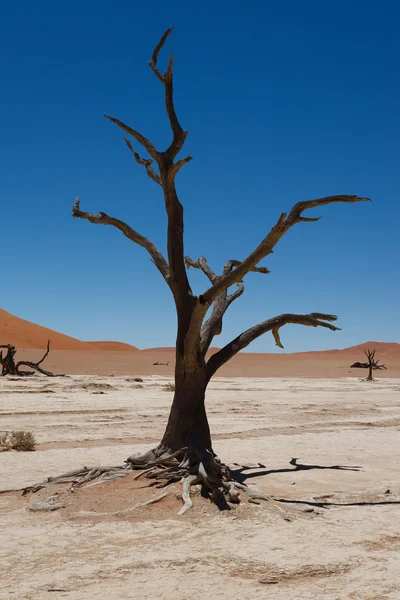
(22, 441)
(3, 441)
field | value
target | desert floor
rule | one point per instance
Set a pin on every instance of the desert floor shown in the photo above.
(329, 364)
(83, 551)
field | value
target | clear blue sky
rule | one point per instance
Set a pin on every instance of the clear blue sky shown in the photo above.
(284, 101)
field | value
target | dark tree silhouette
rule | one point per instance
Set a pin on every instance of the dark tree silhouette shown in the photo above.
(185, 451)
(10, 367)
(371, 365)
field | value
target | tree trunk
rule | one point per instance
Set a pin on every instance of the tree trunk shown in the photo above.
(370, 372)
(187, 422)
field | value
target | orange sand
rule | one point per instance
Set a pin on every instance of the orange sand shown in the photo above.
(116, 358)
(24, 334)
(114, 346)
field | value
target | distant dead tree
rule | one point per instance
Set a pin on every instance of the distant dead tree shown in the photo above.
(185, 451)
(10, 367)
(372, 364)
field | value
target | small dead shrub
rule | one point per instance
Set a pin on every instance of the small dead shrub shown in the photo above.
(3, 441)
(22, 441)
(169, 387)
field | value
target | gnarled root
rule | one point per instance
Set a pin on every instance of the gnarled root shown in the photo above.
(200, 466)
(79, 477)
(192, 465)
(49, 504)
(187, 501)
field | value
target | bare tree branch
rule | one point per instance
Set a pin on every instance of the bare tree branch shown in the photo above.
(178, 276)
(35, 366)
(166, 79)
(178, 279)
(274, 324)
(179, 136)
(177, 166)
(145, 162)
(213, 326)
(285, 222)
(131, 234)
(235, 263)
(156, 52)
(236, 294)
(44, 355)
(202, 264)
(146, 143)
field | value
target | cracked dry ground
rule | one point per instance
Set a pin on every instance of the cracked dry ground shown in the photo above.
(83, 551)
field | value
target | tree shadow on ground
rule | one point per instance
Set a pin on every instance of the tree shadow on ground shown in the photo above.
(337, 504)
(240, 475)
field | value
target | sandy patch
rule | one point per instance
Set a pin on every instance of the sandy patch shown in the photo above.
(348, 549)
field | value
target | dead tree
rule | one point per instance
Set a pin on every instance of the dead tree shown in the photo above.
(10, 367)
(185, 451)
(372, 364)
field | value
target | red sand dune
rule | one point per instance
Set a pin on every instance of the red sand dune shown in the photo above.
(114, 346)
(24, 334)
(384, 350)
(171, 349)
(119, 358)
(159, 349)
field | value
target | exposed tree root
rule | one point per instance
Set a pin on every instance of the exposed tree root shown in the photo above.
(191, 466)
(141, 504)
(79, 477)
(187, 501)
(48, 504)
